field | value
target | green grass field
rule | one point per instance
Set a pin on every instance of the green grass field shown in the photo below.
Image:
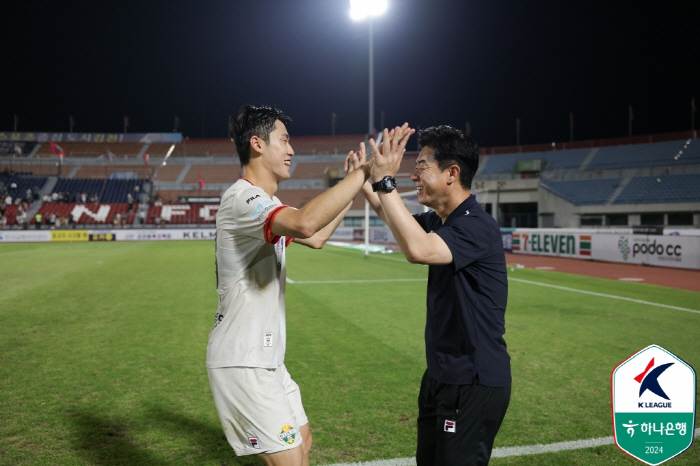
(102, 349)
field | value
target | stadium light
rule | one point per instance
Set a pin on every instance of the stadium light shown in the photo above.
(361, 10)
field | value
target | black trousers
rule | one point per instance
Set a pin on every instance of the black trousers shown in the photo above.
(457, 424)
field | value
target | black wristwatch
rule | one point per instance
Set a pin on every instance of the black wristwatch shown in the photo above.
(386, 184)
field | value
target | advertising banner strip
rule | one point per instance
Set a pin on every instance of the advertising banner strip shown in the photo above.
(69, 235)
(650, 249)
(91, 137)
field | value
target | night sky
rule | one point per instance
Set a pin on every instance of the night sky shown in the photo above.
(436, 62)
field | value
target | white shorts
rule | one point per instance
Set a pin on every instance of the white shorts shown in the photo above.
(260, 409)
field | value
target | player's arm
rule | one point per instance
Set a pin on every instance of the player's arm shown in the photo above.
(320, 237)
(418, 246)
(322, 210)
(352, 162)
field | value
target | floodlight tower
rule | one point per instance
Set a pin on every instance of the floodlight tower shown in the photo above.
(361, 10)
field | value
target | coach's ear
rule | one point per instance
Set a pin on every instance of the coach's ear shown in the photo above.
(453, 174)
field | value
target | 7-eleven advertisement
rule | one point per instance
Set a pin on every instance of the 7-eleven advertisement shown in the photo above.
(552, 243)
(658, 250)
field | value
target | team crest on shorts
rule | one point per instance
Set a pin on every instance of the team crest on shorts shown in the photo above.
(254, 442)
(288, 434)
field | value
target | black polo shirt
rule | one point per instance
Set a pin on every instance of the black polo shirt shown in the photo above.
(467, 300)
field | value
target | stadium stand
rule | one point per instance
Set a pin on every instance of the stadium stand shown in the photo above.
(195, 213)
(645, 155)
(168, 173)
(297, 197)
(172, 196)
(88, 214)
(584, 192)
(313, 170)
(116, 191)
(591, 177)
(108, 191)
(555, 160)
(93, 149)
(107, 170)
(661, 189)
(194, 148)
(23, 182)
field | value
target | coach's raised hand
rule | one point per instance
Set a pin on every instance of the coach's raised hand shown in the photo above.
(387, 156)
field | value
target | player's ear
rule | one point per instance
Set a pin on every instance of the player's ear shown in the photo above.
(256, 144)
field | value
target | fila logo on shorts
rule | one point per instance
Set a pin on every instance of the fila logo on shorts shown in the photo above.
(450, 426)
(254, 442)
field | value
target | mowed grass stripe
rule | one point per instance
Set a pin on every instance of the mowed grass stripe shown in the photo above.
(604, 295)
(102, 355)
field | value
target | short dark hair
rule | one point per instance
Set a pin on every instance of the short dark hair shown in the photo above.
(253, 121)
(452, 147)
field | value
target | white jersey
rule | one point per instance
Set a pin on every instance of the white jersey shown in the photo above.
(250, 326)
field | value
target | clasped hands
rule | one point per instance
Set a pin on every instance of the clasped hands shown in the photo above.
(386, 157)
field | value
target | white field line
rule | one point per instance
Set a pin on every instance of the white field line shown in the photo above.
(566, 288)
(504, 452)
(330, 282)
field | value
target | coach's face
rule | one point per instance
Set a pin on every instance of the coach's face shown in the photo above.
(430, 180)
(277, 154)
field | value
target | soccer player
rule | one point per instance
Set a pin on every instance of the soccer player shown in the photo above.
(465, 390)
(259, 404)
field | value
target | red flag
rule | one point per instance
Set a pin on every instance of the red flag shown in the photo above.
(145, 158)
(201, 182)
(56, 149)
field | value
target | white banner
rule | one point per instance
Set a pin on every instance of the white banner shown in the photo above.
(166, 234)
(663, 251)
(25, 236)
(659, 250)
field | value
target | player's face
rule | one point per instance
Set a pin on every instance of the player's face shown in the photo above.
(428, 177)
(278, 152)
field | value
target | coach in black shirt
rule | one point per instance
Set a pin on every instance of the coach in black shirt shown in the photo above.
(465, 390)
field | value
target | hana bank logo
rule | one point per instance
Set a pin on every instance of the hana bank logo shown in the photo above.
(653, 405)
(623, 244)
(649, 380)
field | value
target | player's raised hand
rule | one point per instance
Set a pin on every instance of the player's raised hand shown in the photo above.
(387, 156)
(355, 159)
